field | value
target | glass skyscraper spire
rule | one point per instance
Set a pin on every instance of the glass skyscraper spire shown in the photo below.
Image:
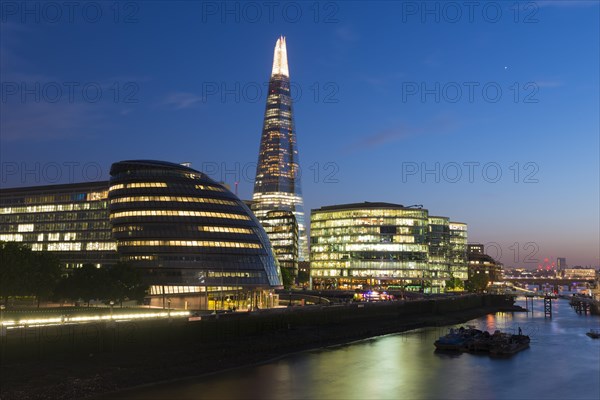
(277, 184)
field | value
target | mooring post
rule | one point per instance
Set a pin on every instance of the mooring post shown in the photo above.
(548, 307)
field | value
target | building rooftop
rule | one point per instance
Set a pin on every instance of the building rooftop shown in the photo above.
(365, 205)
(53, 188)
(139, 164)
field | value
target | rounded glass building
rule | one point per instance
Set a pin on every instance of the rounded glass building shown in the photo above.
(198, 245)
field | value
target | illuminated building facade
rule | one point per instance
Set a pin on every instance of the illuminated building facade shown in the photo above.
(480, 263)
(71, 221)
(579, 273)
(282, 229)
(383, 246)
(197, 244)
(369, 245)
(438, 238)
(277, 182)
(458, 250)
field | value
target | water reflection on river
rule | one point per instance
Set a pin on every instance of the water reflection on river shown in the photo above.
(561, 363)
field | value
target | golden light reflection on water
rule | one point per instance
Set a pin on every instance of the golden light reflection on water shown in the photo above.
(490, 322)
(405, 366)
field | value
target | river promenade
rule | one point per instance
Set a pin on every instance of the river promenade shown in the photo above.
(68, 362)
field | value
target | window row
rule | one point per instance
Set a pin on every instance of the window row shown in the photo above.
(52, 217)
(176, 213)
(74, 246)
(137, 185)
(49, 227)
(181, 199)
(44, 208)
(188, 243)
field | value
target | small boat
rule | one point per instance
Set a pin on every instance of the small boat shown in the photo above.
(511, 345)
(457, 339)
(486, 342)
(594, 333)
(473, 340)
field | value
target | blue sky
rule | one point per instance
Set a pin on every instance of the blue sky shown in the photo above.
(383, 91)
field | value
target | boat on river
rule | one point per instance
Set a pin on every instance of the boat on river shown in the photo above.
(510, 345)
(473, 340)
(457, 339)
(594, 333)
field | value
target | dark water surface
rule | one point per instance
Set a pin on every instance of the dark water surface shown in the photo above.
(561, 363)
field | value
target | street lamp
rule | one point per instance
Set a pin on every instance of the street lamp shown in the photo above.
(112, 303)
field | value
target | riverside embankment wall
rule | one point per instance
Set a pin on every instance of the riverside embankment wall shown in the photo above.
(301, 326)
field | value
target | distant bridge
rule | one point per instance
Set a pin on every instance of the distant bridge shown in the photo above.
(547, 281)
(517, 291)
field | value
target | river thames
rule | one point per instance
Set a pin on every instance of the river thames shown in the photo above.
(561, 363)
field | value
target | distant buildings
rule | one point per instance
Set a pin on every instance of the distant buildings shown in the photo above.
(384, 245)
(481, 263)
(579, 273)
(277, 182)
(561, 263)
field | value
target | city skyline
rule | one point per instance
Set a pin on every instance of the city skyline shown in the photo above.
(374, 107)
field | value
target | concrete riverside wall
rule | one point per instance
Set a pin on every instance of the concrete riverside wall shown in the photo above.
(292, 326)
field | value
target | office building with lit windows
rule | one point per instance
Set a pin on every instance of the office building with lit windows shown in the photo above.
(70, 221)
(479, 262)
(198, 245)
(438, 239)
(458, 250)
(277, 182)
(381, 246)
(368, 245)
(282, 229)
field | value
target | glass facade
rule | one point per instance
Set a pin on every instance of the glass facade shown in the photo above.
(186, 232)
(277, 182)
(439, 250)
(70, 221)
(458, 250)
(380, 245)
(368, 245)
(282, 229)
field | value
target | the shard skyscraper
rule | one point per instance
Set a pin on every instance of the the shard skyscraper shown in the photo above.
(277, 184)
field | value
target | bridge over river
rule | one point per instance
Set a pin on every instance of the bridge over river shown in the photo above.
(548, 281)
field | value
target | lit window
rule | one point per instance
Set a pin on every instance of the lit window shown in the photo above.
(25, 228)
(177, 213)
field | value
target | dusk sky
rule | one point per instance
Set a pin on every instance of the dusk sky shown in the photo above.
(499, 103)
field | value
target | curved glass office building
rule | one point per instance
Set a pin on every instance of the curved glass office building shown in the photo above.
(198, 244)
